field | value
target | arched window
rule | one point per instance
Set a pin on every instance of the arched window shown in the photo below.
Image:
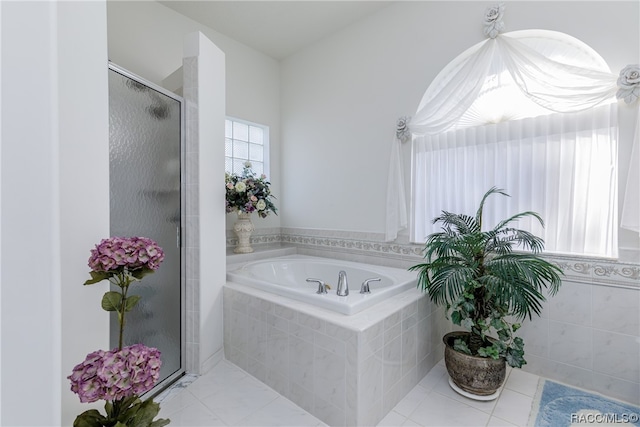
(529, 112)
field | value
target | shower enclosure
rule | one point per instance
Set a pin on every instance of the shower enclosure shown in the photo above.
(145, 169)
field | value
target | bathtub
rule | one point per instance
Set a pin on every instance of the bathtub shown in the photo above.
(286, 276)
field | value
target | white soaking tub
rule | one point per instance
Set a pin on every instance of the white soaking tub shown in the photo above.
(286, 276)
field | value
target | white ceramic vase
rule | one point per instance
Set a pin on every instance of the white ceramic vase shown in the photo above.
(243, 229)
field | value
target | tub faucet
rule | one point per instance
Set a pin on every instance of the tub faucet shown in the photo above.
(364, 289)
(343, 285)
(322, 286)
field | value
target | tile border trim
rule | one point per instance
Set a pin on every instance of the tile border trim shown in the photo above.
(597, 271)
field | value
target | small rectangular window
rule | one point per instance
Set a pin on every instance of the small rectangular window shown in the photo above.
(246, 141)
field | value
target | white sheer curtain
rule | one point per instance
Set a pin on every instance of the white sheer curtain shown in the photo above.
(396, 198)
(550, 71)
(528, 57)
(631, 208)
(559, 165)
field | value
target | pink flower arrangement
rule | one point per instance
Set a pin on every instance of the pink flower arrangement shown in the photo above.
(121, 375)
(131, 253)
(116, 374)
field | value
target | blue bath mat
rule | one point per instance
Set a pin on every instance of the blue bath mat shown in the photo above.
(558, 405)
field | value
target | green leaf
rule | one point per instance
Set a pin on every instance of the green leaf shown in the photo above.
(515, 358)
(515, 326)
(503, 335)
(467, 324)
(131, 302)
(111, 301)
(482, 324)
(461, 346)
(160, 422)
(489, 351)
(468, 307)
(90, 418)
(141, 272)
(499, 324)
(127, 402)
(97, 276)
(518, 344)
(456, 317)
(108, 407)
(141, 414)
(147, 412)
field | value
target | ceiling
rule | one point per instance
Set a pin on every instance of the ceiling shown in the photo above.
(276, 28)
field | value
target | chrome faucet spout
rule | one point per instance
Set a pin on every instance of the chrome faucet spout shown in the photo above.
(322, 286)
(364, 289)
(343, 284)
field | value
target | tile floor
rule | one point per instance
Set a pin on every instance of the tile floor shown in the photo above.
(228, 396)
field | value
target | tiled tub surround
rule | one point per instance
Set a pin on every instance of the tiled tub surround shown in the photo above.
(588, 335)
(345, 370)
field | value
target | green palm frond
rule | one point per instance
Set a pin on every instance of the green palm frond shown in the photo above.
(457, 224)
(444, 284)
(443, 245)
(519, 280)
(492, 190)
(505, 239)
(516, 217)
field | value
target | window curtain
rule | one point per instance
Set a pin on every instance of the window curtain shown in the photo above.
(557, 163)
(527, 56)
(630, 219)
(396, 198)
(531, 60)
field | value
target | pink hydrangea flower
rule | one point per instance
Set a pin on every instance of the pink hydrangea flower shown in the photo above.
(131, 253)
(114, 375)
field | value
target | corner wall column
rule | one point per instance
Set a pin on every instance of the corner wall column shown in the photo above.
(204, 95)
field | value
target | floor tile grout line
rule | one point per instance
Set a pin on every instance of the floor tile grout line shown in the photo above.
(502, 388)
(408, 417)
(253, 379)
(446, 397)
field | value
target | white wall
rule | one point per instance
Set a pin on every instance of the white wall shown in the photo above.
(341, 97)
(29, 217)
(84, 183)
(54, 181)
(146, 38)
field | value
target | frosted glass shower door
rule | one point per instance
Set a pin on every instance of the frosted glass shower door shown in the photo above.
(145, 127)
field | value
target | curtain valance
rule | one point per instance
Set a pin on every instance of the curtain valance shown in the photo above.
(554, 85)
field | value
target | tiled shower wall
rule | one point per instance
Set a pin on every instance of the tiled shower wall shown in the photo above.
(588, 334)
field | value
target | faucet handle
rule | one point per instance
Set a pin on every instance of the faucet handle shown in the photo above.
(364, 289)
(322, 286)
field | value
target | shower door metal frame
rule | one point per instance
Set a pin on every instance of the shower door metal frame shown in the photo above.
(179, 232)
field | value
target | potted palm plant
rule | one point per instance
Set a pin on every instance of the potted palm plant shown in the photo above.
(488, 282)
